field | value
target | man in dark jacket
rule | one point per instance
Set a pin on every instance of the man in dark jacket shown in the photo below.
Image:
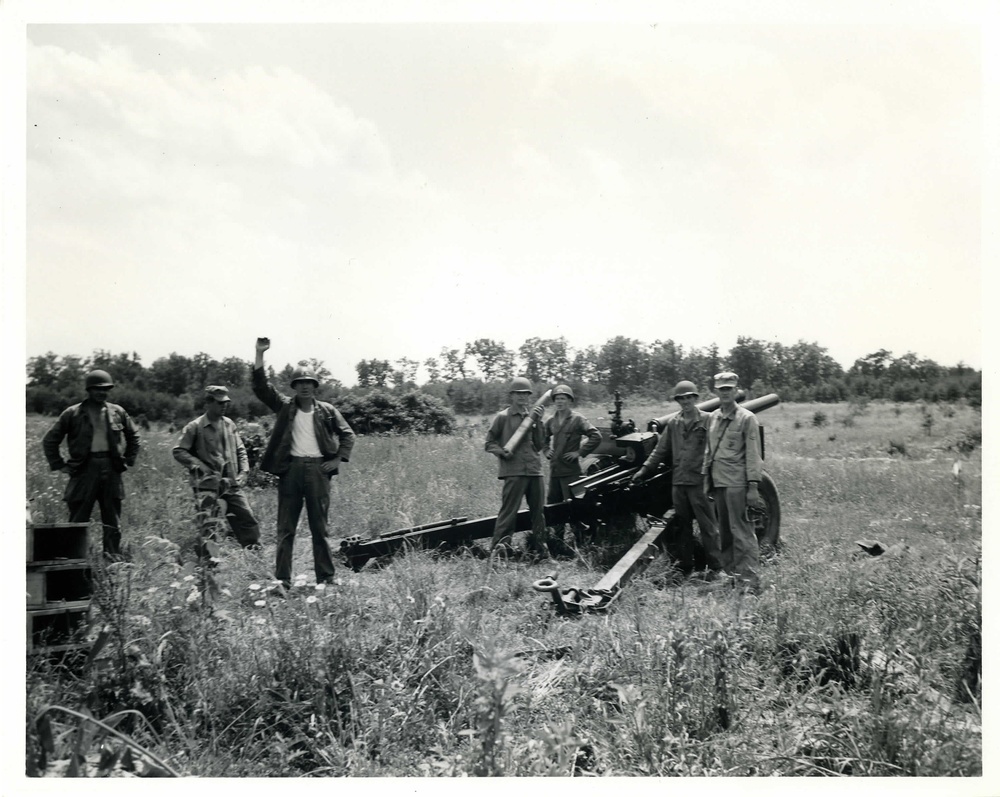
(103, 442)
(309, 442)
(569, 437)
(520, 469)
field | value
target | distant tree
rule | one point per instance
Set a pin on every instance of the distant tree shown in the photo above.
(433, 369)
(373, 373)
(809, 364)
(453, 364)
(874, 364)
(750, 359)
(202, 365)
(545, 359)
(583, 366)
(43, 370)
(171, 374)
(232, 372)
(405, 373)
(623, 363)
(494, 359)
(701, 365)
(665, 359)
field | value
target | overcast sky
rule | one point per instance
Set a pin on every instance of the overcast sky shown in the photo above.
(385, 190)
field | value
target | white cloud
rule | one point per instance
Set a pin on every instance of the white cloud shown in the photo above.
(187, 36)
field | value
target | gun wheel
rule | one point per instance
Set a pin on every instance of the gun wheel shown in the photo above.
(767, 524)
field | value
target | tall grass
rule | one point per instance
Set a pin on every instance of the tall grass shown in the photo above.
(428, 665)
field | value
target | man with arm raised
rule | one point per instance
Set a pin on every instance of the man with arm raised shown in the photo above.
(309, 442)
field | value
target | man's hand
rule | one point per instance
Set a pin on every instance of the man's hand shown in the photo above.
(263, 344)
(570, 456)
(330, 465)
(66, 469)
(241, 479)
(636, 477)
(538, 412)
(505, 453)
(753, 496)
(706, 486)
(547, 453)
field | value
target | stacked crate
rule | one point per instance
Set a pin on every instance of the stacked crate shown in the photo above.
(59, 586)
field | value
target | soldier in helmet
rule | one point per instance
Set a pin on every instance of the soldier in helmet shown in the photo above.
(569, 437)
(102, 443)
(309, 442)
(520, 469)
(682, 447)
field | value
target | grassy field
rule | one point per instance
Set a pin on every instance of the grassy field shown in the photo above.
(430, 665)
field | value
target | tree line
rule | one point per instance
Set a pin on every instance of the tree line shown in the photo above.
(471, 379)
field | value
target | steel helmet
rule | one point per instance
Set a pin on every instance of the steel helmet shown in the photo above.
(98, 379)
(685, 388)
(520, 384)
(301, 374)
(563, 390)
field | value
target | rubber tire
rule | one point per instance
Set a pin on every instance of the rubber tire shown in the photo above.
(768, 528)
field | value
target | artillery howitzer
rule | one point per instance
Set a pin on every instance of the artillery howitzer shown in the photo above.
(605, 495)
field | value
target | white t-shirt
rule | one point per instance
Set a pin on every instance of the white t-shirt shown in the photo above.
(304, 436)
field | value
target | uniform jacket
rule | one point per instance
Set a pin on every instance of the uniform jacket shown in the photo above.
(733, 453)
(682, 447)
(333, 434)
(526, 460)
(74, 425)
(202, 442)
(567, 438)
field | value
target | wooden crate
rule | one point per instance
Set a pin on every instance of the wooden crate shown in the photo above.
(54, 542)
(55, 629)
(67, 581)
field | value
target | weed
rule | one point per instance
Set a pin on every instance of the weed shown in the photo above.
(868, 666)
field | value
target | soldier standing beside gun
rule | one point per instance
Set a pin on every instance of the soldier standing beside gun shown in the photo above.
(309, 442)
(732, 470)
(94, 430)
(520, 467)
(682, 446)
(569, 437)
(216, 458)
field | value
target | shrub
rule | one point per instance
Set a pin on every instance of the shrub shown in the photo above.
(819, 419)
(380, 412)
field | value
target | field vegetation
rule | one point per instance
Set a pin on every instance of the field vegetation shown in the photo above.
(451, 665)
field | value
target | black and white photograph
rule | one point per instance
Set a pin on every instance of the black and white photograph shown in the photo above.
(534, 391)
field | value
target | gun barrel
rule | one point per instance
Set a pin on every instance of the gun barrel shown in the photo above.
(756, 405)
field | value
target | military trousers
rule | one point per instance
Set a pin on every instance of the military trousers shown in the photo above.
(304, 484)
(516, 488)
(690, 503)
(740, 552)
(96, 481)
